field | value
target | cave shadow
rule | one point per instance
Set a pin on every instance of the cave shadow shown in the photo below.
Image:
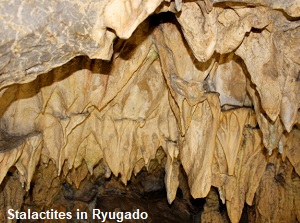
(146, 191)
(12, 172)
(169, 17)
(122, 48)
(16, 92)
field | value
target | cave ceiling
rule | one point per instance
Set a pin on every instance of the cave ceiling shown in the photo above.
(214, 84)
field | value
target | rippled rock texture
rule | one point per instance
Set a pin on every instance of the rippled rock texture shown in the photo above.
(199, 98)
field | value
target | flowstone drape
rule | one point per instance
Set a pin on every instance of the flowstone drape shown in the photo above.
(204, 95)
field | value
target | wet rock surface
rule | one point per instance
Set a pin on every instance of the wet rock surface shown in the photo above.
(187, 110)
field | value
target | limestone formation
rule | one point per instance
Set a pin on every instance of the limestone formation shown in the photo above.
(114, 97)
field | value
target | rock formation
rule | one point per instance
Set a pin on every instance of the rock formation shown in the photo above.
(107, 97)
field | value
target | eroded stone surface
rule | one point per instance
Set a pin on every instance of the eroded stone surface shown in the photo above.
(210, 88)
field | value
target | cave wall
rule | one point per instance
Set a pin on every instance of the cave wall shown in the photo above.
(95, 89)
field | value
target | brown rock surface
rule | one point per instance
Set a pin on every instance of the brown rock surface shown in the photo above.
(151, 102)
